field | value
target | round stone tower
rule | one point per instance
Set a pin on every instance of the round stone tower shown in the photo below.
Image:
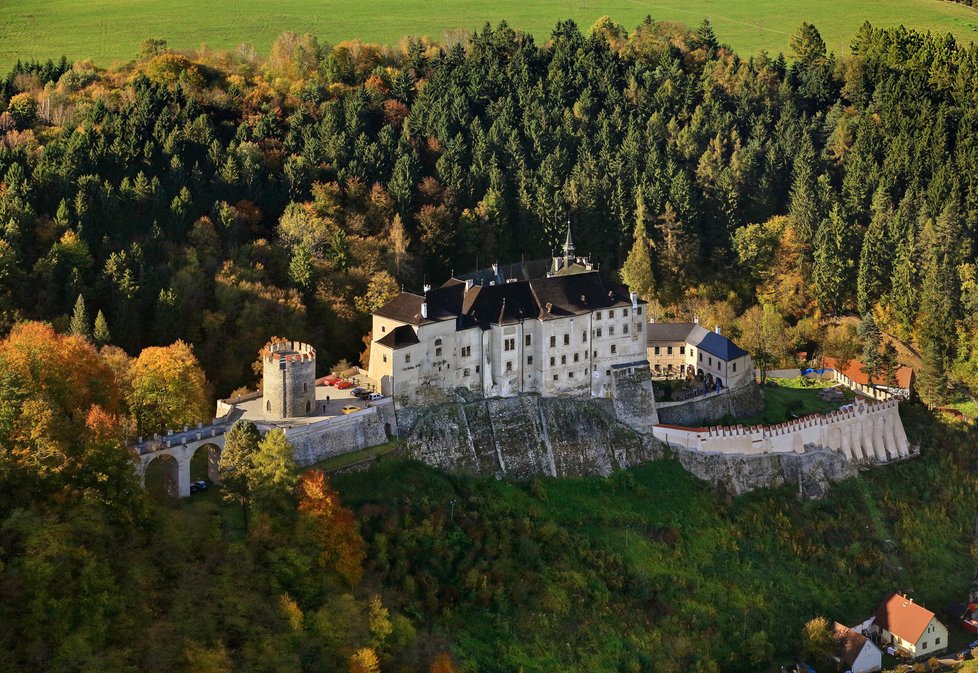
(289, 379)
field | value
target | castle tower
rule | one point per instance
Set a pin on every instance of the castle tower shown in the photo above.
(289, 380)
(568, 247)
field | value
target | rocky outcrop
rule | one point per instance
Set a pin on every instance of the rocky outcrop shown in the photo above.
(528, 436)
(737, 402)
(815, 470)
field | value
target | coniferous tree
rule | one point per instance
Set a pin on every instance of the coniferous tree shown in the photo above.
(102, 336)
(80, 324)
(637, 270)
(833, 262)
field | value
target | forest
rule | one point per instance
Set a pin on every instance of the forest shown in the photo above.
(164, 218)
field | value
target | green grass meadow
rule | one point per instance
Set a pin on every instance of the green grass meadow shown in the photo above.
(111, 30)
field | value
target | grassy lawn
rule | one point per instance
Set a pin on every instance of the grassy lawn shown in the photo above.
(346, 459)
(110, 30)
(791, 398)
(969, 409)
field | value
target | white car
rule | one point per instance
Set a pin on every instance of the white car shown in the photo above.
(373, 397)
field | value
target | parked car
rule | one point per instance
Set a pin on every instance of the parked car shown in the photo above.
(199, 485)
(357, 390)
(343, 385)
(362, 394)
(349, 409)
(332, 380)
(373, 397)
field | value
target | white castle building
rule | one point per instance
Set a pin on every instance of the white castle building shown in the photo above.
(558, 329)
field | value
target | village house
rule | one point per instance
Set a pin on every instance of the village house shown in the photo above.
(557, 329)
(908, 627)
(856, 653)
(686, 349)
(851, 375)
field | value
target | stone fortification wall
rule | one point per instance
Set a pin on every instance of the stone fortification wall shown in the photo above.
(737, 402)
(813, 471)
(861, 433)
(527, 436)
(289, 379)
(634, 398)
(334, 436)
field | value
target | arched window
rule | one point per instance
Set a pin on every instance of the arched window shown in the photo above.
(268, 405)
(308, 406)
(305, 387)
(438, 342)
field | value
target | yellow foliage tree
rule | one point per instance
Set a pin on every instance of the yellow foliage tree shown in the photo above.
(168, 389)
(364, 660)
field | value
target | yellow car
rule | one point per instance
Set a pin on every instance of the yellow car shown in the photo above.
(350, 409)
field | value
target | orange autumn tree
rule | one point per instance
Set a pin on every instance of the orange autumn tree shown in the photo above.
(443, 664)
(168, 389)
(59, 404)
(332, 526)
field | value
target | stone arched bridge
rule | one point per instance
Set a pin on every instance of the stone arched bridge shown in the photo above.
(177, 449)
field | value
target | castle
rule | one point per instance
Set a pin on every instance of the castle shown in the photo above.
(557, 329)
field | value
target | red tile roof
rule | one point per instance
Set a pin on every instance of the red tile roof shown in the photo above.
(851, 643)
(854, 371)
(902, 617)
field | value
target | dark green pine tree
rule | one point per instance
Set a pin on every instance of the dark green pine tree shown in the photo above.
(833, 281)
(869, 334)
(80, 324)
(876, 257)
(808, 207)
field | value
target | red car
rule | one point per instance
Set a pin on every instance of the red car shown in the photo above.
(343, 385)
(332, 380)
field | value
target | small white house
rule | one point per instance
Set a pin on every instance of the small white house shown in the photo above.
(909, 627)
(857, 653)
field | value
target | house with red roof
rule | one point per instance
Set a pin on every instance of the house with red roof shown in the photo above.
(851, 375)
(908, 627)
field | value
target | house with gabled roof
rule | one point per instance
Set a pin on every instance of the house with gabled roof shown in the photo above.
(850, 374)
(686, 349)
(557, 329)
(856, 653)
(908, 627)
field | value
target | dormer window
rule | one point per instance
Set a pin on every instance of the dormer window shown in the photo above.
(438, 342)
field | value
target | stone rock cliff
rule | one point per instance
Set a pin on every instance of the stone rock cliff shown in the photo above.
(528, 436)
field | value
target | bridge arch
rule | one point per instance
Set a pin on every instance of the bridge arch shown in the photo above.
(205, 460)
(161, 476)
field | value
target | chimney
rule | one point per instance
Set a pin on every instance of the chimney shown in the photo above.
(696, 320)
(634, 296)
(424, 309)
(468, 284)
(427, 288)
(717, 329)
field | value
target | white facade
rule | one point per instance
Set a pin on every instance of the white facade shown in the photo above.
(465, 336)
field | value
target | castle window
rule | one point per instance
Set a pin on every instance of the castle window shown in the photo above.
(668, 350)
(466, 351)
(526, 340)
(614, 349)
(597, 332)
(577, 357)
(584, 337)
(509, 366)
(640, 327)
(701, 357)
(407, 359)
(570, 375)
(438, 342)
(553, 341)
(611, 330)
(529, 359)
(624, 329)
(607, 372)
(597, 315)
(308, 406)
(711, 361)
(268, 405)
(567, 339)
(563, 359)
(305, 387)
(555, 377)
(585, 371)
(594, 353)
(624, 312)
(465, 372)
(509, 345)
(656, 350)
(553, 361)
(735, 366)
(477, 368)
(682, 350)
(383, 328)
(611, 313)
(437, 352)
(638, 311)
(385, 357)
